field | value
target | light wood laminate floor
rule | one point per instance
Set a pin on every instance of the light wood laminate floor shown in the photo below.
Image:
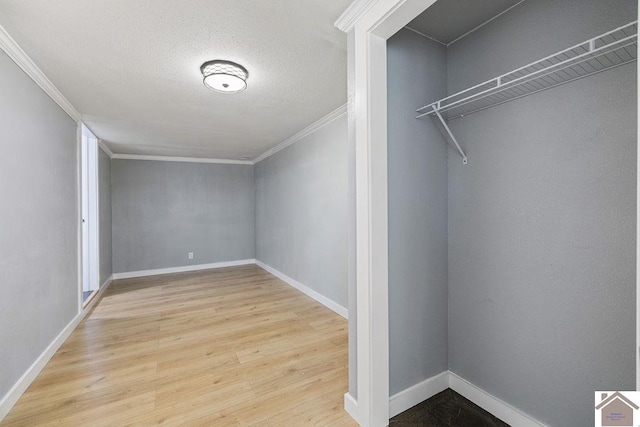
(234, 346)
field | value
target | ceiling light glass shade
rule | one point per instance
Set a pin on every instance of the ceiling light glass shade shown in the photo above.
(224, 76)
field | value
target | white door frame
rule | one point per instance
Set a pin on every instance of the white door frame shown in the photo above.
(79, 200)
(84, 200)
(372, 23)
(89, 196)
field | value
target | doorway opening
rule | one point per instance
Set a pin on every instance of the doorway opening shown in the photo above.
(90, 243)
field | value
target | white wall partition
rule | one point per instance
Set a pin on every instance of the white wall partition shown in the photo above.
(373, 23)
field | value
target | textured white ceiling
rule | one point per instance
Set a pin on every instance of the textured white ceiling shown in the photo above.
(446, 20)
(131, 67)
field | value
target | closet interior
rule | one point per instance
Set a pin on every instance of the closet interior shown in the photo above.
(512, 141)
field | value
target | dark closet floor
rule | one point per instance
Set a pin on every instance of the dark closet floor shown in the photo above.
(446, 409)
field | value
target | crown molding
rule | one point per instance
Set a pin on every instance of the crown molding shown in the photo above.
(304, 132)
(426, 36)
(350, 16)
(180, 159)
(103, 145)
(15, 52)
(483, 24)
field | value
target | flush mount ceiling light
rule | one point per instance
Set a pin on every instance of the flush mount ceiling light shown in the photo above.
(224, 76)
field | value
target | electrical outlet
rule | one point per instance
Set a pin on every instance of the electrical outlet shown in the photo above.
(190, 255)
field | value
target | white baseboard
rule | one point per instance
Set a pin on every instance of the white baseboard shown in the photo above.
(155, 272)
(490, 403)
(27, 378)
(106, 284)
(330, 304)
(96, 298)
(420, 392)
(351, 406)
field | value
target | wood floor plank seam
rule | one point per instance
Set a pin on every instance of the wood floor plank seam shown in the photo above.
(232, 346)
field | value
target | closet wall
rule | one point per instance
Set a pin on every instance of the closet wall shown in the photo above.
(417, 179)
(542, 220)
(540, 280)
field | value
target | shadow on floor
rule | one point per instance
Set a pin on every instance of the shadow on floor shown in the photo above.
(446, 409)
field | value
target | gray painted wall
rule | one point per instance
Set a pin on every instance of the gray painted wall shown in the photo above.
(163, 210)
(104, 204)
(301, 211)
(542, 220)
(39, 288)
(417, 180)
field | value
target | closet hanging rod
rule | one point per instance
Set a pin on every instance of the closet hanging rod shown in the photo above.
(609, 50)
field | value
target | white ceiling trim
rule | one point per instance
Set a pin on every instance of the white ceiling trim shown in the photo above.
(181, 159)
(349, 17)
(304, 132)
(483, 24)
(105, 148)
(424, 35)
(15, 52)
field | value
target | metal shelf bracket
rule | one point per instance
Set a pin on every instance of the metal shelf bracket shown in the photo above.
(453, 138)
(606, 51)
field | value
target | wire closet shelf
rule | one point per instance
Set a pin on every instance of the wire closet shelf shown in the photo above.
(609, 50)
